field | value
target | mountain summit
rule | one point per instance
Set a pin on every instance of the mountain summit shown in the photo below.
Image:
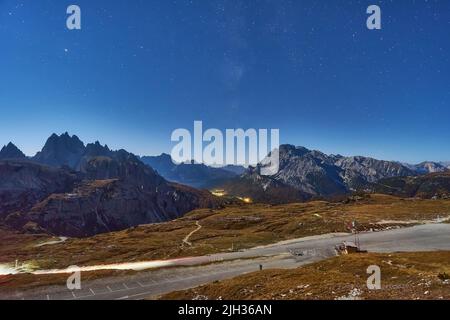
(63, 150)
(10, 151)
(70, 151)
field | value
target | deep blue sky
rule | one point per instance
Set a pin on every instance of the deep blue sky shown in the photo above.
(139, 69)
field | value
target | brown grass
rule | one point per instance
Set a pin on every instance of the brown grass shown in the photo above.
(236, 227)
(403, 276)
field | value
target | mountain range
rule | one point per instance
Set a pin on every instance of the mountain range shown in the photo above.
(70, 151)
(195, 175)
(314, 174)
(296, 162)
(73, 189)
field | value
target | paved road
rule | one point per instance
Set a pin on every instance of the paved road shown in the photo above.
(188, 273)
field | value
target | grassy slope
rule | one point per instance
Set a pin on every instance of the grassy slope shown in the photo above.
(424, 186)
(403, 276)
(236, 226)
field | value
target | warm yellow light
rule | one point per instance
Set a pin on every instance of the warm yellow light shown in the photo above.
(219, 193)
(247, 200)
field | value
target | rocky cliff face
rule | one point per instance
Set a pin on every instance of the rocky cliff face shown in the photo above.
(359, 172)
(312, 172)
(317, 174)
(22, 184)
(124, 166)
(106, 205)
(113, 194)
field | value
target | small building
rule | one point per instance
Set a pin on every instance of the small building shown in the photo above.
(348, 247)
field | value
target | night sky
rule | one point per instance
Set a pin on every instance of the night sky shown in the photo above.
(138, 69)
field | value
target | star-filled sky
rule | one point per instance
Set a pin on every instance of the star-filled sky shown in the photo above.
(139, 69)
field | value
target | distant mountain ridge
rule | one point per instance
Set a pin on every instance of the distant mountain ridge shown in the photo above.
(316, 174)
(194, 175)
(432, 185)
(303, 173)
(446, 164)
(70, 151)
(429, 167)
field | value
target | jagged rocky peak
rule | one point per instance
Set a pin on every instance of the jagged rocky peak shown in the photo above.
(10, 151)
(63, 150)
(293, 151)
(64, 140)
(318, 174)
(96, 149)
